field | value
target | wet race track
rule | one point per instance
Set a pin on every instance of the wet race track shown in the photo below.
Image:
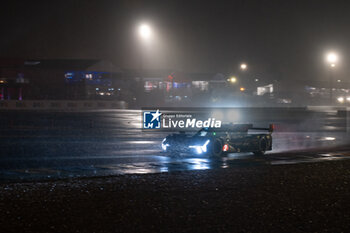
(51, 145)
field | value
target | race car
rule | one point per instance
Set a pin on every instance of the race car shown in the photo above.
(231, 138)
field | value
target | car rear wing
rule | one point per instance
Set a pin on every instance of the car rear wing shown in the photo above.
(270, 129)
(241, 128)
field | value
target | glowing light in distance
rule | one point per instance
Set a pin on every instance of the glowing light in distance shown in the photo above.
(332, 59)
(145, 31)
(232, 79)
(340, 99)
(329, 138)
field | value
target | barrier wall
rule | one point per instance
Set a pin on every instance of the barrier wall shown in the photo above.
(69, 105)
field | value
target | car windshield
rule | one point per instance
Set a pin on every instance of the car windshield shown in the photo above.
(201, 133)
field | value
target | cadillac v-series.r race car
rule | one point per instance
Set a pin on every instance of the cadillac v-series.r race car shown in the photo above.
(232, 138)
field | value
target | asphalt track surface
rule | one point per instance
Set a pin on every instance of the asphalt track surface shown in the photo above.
(48, 145)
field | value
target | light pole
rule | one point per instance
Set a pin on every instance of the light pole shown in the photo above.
(245, 81)
(145, 33)
(243, 66)
(332, 59)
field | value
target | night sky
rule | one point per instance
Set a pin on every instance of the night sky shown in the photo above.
(287, 38)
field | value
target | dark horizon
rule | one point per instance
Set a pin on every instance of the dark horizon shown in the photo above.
(289, 39)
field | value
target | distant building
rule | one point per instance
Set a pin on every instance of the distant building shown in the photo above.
(12, 79)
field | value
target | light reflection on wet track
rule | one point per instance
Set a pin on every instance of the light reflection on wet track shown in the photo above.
(114, 144)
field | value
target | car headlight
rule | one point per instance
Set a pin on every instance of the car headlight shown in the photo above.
(164, 145)
(202, 148)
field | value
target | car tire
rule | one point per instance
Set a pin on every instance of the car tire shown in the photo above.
(216, 148)
(262, 147)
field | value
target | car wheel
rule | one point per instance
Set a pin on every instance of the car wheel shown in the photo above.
(262, 147)
(216, 148)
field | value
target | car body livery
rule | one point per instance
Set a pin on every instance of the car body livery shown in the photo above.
(232, 138)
